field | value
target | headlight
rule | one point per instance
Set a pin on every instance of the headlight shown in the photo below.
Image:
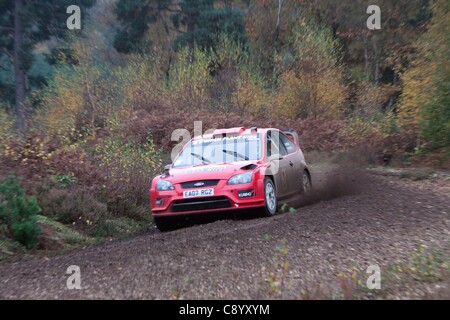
(241, 178)
(164, 185)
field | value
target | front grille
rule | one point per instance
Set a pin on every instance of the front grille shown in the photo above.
(201, 204)
(200, 184)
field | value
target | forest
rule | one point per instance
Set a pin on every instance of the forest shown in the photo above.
(86, 116)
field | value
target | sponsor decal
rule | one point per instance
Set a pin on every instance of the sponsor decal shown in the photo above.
(204, 169)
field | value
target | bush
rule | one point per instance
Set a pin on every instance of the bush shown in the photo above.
(128, 167)
(190, 84)
(69, 206)
(18, 213)
(90, 95)
(360, 132)
(251, 96)
(6, 131)
(116, 227)
(312, 86)
(425, 103)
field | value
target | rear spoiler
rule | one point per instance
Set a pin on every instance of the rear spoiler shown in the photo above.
(293, 135)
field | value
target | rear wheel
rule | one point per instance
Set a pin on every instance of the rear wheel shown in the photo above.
(270, 197)
(164, 224)
(306, 183)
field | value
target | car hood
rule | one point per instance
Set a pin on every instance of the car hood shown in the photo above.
(211, 171)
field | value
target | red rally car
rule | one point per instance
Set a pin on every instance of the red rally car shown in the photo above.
(230, 169)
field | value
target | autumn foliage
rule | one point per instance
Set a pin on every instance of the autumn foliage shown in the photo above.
(100, 127)
(425, 107)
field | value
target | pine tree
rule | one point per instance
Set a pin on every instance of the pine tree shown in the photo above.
(197, 22)
(205, 24)
(24, 23)
(135, 17)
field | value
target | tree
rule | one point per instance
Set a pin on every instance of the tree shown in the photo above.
(195, 21)
(312, 85)
(276, 45)
(135, 17)
(378, 50)
(425, 105)
(205, 24)
(269, 26)
(23, 24)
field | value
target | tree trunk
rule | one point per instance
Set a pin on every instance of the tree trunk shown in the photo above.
(276, 46)
(191, 56)
(190, 30)
(366, 63)
(19, 72)
(377, 71)
(169, 53)
(335, 27)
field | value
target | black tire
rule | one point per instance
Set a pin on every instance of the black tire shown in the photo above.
(164, 224)
(306, 183)
(270, 198)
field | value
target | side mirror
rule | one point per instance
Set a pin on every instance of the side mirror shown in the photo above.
(167, 168)
(275, 157)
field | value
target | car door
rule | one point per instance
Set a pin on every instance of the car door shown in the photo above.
(280, 167)
(295, 165)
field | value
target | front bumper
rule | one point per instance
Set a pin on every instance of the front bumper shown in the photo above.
(226, 198)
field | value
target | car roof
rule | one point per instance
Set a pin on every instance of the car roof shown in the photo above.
(230, 132)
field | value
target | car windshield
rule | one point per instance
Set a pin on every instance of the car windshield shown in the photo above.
(220, 150)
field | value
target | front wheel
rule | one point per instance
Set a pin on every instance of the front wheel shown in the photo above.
(270, 197)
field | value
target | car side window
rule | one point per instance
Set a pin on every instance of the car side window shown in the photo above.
(274, 146)
(289, 145)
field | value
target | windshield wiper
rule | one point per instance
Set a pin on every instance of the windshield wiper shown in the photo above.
(200, 157)
(235, 154)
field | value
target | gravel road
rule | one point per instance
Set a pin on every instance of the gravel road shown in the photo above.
(354, 220)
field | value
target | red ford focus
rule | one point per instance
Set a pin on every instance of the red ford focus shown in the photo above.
(230, 169)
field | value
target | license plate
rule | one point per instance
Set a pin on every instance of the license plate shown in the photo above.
(198, 193)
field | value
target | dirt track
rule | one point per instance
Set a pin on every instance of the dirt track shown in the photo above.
(370, 220)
